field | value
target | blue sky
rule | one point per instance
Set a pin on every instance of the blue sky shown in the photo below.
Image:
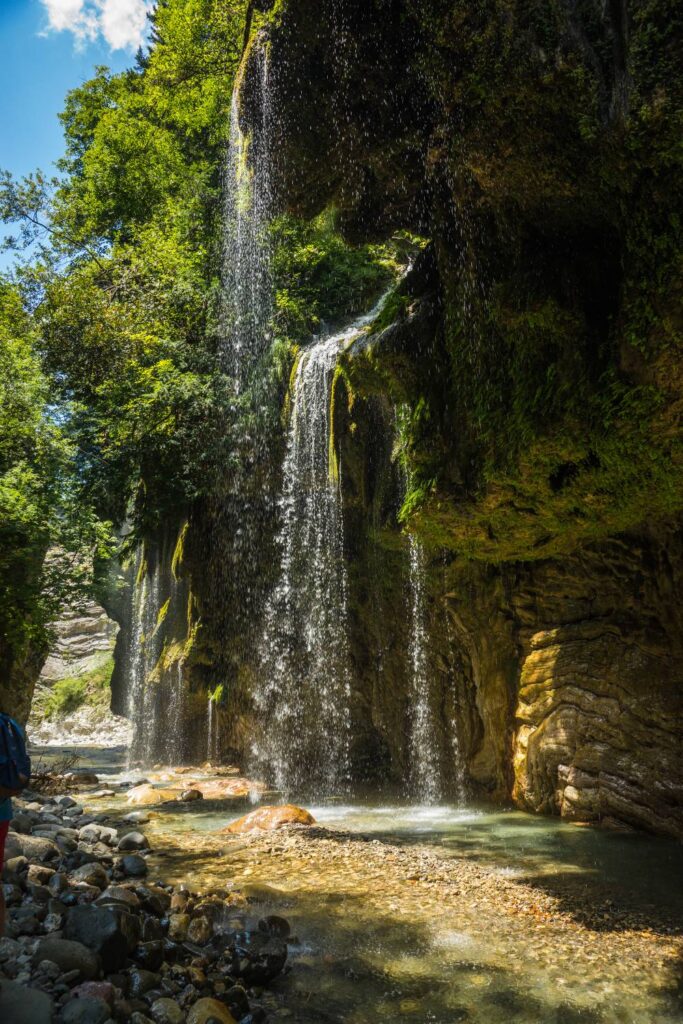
(46, 48)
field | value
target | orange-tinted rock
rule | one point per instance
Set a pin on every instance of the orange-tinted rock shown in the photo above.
(141, 796)
(228, 789)
(269, 818)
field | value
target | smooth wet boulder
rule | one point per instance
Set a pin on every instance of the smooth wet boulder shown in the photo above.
(142, 796)
(209, 1010)
(263, 962)
(94, 833)
(188, 795)
(86, 1011)
(237, 1002)
(69, 955)
(32, 847)
(178, 925)
(150, 955)
(95, 990)
(91, 874)
(39, 874)
(137, 817)
(108, 931)
(133, 841)
(22, 1005)
(270, 818)
(167, 1011)
(142, 981)
(118, 896)
(134, 865)
(200, 930)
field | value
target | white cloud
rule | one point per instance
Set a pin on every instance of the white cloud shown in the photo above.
(121, 23)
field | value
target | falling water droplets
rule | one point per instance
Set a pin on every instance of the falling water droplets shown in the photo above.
(304, 690)
(246, 247)
(425, 774)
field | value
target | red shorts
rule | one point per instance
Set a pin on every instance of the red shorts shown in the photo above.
(4, 829)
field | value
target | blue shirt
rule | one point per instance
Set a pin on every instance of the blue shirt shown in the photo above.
(5, 809)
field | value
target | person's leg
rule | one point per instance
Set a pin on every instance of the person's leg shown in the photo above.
(4, 829)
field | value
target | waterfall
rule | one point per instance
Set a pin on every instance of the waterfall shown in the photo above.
(246, 248)
(155, 704)
(304, 686)
(459, 786)
(212, 727)
(425, 774)
(171, 742)
(143, 653)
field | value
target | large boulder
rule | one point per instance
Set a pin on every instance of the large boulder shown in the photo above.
(69, 955)
(205, 1010)
(133, 841)
(142, 796)
(111, 932)
(269, 818)
(87, 1010)
(22, 1005)
(32, 847)
(91, 874)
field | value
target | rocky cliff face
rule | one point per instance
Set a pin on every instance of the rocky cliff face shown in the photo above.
(535, 352)
(599, 713)
(84, 638)
(526, 371)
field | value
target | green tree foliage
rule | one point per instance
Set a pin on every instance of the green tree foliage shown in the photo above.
(40, 509)
(125, 285)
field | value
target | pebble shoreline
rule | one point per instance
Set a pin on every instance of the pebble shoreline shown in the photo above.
(90, 940)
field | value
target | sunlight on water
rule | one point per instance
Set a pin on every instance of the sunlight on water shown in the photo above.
(380, 939)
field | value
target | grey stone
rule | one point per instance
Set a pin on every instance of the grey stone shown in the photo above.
(108, 931)
(133, 865)
(133, 841)
(118, 895)
(137, 817)
(32, 847)
(85, 1011)
(142, 981)
(93, 833)
(39, 874)
(58, 883)
(92, 874)
(167, 1011)
(9, 948)
(69, 956)
(22, 1005)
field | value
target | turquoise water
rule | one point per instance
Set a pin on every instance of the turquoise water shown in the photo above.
(378, 942)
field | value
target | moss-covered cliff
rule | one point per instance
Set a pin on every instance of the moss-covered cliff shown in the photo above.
(534, 354)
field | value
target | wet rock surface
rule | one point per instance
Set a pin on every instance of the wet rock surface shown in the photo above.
(267, 819)
(91, 940)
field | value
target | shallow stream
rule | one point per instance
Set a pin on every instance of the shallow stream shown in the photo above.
(445, 914)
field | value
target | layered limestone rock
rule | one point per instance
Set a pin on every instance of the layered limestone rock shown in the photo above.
(84, 643)
(599, 714)
(84, 639)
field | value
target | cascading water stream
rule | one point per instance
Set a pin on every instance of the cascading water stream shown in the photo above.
(155, 705)
(459, 788)
(303, 693)
(246, 247)
(145, 609)
(425, 778)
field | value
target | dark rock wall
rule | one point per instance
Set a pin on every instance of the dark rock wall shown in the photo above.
(535, 349)
(537, 352)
